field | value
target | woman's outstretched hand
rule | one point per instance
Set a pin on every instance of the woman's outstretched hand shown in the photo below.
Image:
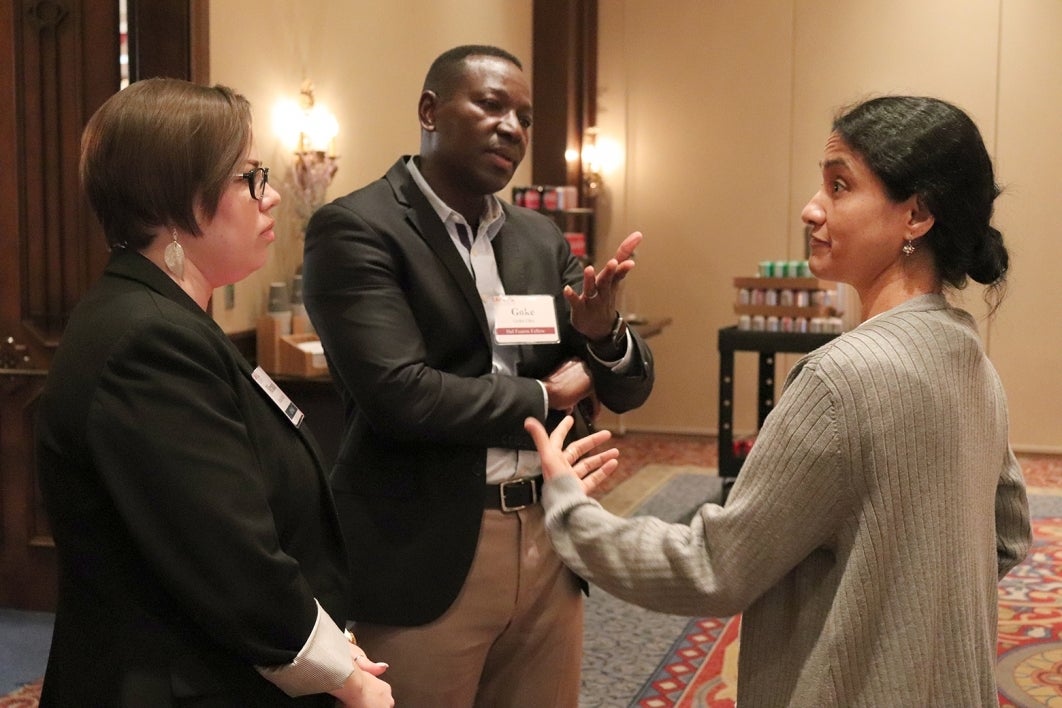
(558, 461)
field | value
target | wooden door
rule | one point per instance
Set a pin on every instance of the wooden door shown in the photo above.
(59, 61)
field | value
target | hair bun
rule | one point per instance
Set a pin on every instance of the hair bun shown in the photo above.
(990, 260)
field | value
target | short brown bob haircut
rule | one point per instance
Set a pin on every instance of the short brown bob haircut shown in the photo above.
(158, 151)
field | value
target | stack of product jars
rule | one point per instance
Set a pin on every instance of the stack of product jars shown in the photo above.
(785, 297)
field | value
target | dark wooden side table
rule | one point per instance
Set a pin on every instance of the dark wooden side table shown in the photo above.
(768, 344)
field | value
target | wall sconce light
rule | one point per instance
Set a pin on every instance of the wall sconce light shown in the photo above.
(600, 156)
(591, 163)
(309, 130)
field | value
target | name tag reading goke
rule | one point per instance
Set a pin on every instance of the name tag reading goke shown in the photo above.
(525, 319)
(289, 409)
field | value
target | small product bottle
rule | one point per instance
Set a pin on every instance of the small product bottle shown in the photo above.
(533, 197)
(280, 307)
(300, 321)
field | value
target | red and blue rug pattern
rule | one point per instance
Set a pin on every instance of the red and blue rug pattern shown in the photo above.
(701, 669)
(1030, 623)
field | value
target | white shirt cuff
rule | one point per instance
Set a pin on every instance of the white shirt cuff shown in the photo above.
(545, 400)
(322, 665)
(623, 362)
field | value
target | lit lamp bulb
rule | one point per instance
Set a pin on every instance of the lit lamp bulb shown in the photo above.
(600, 156)
(319, 131)
(305, 126)
(309, 130)
(591, 163)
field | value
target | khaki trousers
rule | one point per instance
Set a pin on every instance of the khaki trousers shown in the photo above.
(512, 639)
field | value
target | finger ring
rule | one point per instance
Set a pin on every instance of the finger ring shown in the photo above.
(591, 297)
(359, 656)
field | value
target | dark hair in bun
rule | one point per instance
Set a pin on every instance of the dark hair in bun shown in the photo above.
(925, 146)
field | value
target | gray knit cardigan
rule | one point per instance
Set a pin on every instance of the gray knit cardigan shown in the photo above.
(866, 533)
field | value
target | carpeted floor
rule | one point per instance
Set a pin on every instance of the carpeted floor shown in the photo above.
(622, 643)
(24, 640)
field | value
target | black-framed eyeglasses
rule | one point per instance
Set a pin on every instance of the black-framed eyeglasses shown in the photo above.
(257, 179)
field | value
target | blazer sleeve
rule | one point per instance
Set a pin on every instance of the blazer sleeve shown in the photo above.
(624, 390)
(402, 339)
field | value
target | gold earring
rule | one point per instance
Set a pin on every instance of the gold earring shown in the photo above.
(174, 257)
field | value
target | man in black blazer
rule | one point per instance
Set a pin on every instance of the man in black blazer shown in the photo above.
(421, 286)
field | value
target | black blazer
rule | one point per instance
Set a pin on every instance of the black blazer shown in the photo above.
(408, 344)
(193, 523)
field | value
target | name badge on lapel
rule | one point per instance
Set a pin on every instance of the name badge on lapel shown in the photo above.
(525, 319)
(289, 409)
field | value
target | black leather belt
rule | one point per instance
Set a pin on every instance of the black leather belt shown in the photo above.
(514, 494)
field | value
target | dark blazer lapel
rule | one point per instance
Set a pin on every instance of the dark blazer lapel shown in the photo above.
(425, 221)
(508, 253)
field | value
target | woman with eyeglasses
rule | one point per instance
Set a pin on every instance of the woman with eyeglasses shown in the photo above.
(200, 559)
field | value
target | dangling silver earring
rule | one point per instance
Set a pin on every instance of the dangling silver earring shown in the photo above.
(174, 257)
(908, 248)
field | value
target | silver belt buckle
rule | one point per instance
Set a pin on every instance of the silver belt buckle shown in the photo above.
(512, 483)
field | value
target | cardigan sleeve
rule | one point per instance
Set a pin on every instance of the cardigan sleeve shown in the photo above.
(1013, 533)
(786, 503)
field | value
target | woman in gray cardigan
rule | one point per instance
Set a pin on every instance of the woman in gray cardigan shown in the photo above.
(865, 536)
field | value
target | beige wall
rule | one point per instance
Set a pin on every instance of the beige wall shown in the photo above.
(367, 62)
(722, 110)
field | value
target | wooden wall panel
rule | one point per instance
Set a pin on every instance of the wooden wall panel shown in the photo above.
(59, 61)
(63, 78)
(565, 86)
